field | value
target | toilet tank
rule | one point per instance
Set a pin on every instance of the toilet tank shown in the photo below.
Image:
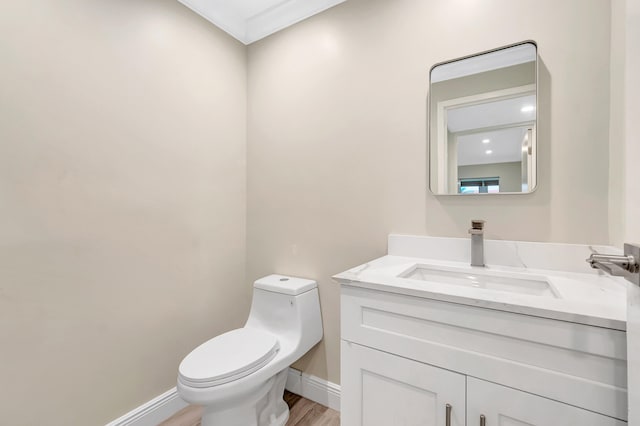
(285, 285)
(288, 307)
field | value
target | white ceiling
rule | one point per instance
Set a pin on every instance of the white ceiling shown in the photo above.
(505, 144)
(251, 20)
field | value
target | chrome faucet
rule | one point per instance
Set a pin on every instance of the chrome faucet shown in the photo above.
(627, 266)
(477, 242)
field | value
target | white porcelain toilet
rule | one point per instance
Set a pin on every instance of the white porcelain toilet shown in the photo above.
(239, 376)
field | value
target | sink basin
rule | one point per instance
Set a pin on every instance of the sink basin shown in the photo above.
(529, 284)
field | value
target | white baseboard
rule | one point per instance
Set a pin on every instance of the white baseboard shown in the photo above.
(164, 406)
(313, 388)
(153, 412)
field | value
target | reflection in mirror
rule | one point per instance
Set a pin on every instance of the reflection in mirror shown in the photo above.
(482, 123)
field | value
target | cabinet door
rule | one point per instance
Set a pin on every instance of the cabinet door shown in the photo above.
(504, 406)
(380, 389)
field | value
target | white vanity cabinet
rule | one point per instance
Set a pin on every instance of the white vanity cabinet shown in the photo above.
(406, 358)
(380, 389)
(509, 407)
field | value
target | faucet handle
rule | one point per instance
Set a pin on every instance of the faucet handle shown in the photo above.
(477, 224)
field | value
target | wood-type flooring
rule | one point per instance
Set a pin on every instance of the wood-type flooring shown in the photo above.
(302, 413)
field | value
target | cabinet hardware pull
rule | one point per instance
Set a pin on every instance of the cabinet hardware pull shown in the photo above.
(483, 420)
(448, 414)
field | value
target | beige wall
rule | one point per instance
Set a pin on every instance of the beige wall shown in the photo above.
(632, 128)
(510, 174)
(122, 202)
(337, 135)
(617, 184)
(624, 151)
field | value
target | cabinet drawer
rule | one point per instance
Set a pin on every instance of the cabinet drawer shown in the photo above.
(573, 363)
(503, 406)
(380, 389)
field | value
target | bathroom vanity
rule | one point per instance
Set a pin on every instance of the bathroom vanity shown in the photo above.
(534, 338)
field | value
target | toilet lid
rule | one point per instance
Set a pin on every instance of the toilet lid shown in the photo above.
(227, 357)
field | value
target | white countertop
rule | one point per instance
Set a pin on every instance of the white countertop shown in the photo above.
(592, 298)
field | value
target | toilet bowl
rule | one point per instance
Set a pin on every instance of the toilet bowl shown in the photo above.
(239, 376)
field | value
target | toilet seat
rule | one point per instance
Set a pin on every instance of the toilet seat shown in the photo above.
(228, 357)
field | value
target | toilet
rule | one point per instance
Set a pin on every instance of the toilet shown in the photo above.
(239, 376)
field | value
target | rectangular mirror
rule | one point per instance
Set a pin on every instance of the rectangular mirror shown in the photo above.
(482, 122)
